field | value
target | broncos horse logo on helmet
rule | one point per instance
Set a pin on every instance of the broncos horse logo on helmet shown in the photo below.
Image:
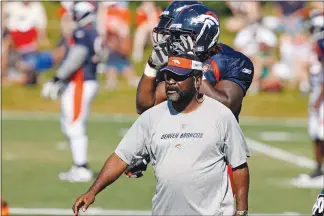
(200, 23)
(168, 15)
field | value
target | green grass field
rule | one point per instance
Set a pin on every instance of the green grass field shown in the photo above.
(33, 153)
(32, 159)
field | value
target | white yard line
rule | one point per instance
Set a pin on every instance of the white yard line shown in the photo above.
(280, 154)
(57, 211)
(125, 118)
(122, 118)
(98, 211)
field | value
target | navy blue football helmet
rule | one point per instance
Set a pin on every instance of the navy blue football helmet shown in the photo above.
(168, 15)
(200, 23)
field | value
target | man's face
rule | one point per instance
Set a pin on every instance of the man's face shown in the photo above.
(179, 88)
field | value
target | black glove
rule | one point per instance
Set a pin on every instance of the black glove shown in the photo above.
(318, 208)
(137, 166)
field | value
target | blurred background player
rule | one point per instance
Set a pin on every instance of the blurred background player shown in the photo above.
(147, 17)
(316, 98)
(258, 43)
(294, 46)
(26, 23)
(76, 80)
(119, 44)
(243, 14)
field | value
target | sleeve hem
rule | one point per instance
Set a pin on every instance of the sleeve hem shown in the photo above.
(239, 163)
(238, 83)
(122, 156)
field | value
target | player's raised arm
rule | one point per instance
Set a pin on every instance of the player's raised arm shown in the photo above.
(237, 152)
(146, 89)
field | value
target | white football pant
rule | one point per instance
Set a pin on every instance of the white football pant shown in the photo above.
(316, 118)
(75, 108)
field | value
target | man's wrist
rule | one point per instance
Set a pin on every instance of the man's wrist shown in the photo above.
(93, 191)
(150, 71)
(241, 213)
(150, 63)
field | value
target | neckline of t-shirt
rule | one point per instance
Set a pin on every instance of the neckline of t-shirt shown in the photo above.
(176, 113)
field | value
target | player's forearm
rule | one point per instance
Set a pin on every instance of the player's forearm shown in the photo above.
(76, 57)
(145, 96)
(109, 173)
(241, 180)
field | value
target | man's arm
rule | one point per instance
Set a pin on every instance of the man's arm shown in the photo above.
(74, 60)
(145, 94)
(131, 145)
(146, 90)
(109, 173)
(227, 92)
(237, 152)
(241, 181)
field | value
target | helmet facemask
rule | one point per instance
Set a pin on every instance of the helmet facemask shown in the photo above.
(161, 29)
(201, 48)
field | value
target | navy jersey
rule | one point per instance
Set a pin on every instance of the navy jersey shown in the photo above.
(229, 64)
(86, 36)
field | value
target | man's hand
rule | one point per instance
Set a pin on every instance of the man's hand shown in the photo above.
(318, 208)
(159, 55)
(138, 166)
(186, 46)
(84, 201)
(52, 89)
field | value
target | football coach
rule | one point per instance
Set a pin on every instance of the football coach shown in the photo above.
(190, 138)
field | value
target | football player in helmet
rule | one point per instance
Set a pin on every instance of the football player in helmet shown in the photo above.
(316, 99)
(227, 73)
(76, 81)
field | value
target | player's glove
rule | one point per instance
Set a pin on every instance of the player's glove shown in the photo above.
(318, 208)
(159, 56)
(137, 166)
(186, 46)
(52, 88)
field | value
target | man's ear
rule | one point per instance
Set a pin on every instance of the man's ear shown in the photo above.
(198, 80)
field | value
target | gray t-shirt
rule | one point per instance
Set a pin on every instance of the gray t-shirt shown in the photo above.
(188, 153)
